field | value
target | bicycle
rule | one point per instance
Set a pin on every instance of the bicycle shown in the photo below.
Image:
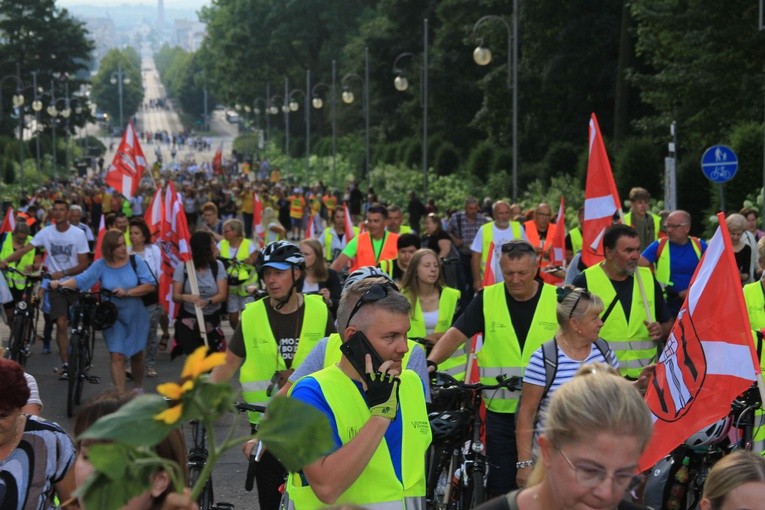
(457, 470)
(25, 316)
(249, 481)
(81, 345)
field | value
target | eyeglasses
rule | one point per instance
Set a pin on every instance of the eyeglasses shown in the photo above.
(591, 477)
(582, 294)
(512, 246)
(669, 226)
(375, 293)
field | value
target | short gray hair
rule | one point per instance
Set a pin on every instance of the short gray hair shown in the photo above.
(394, 302)
(75, 207)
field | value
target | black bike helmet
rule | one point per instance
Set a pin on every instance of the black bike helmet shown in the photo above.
(445, 425)
(280, 255)
(104, 316)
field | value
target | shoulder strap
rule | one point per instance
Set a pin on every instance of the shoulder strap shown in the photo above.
(550, 360)
(604, 348)
(660, 248)
(610, 308)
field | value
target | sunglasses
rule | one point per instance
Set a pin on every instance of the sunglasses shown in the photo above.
(375, 293)
(521, 246)
(583, 294)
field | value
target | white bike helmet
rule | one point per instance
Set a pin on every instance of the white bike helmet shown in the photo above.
(363, 273)
(710, 434)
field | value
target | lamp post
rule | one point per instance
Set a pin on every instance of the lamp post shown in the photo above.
(295, 106)
(401, 84)
(318, 103)
(36, 107)
(118, 79)
(53, 113)
(273, 109)
(18, 102)
(348, 98)
(256, 109)
(482, 57)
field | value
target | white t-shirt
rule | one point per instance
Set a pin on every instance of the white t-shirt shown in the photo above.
(500, 237)
(431, 319)
(62, 248)
(153, 257)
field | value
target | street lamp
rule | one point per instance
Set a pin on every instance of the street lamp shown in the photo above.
(318, 103)
(401, 84)
(275, 100)
(482, 57)
(257, 110)
(36, 107)
(295, 106)
(18, 102)
(348, 98)
(118, 79)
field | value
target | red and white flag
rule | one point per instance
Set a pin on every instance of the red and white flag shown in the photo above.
(174, 243)
(349, 232)
(9, 223)
(154, 215)
(99, 239)
(709, 359)
(309, 228)
(601, 200)
(557, 247)
(126, 170)
(217, 161)
(257, 217)
(488, 271)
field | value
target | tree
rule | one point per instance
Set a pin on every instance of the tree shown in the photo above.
(106, 94)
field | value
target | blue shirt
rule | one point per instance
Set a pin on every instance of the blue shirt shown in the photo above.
(682, 261)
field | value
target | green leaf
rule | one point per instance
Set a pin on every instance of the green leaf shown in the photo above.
(295, 432)
(207, 398)
(133, 424)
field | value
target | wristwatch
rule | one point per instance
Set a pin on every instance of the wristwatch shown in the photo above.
(524, 464)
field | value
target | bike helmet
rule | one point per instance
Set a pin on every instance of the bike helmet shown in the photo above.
(104, 316)
(445, 425)
(363, 273)
(710, 434)
(280, 255)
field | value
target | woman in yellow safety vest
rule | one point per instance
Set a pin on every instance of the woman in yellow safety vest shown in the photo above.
(434, 305)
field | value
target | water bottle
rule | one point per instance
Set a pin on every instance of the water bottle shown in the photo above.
(441, 486)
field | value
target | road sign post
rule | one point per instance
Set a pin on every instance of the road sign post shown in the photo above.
(719, 164)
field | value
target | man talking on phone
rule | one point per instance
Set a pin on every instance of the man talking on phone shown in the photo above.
(377, 412)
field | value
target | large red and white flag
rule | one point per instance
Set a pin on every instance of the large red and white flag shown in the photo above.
(174, 243)
(99, 239)
(557, 248)
(601, 200)
(489, 269)
(349, 232)
(309, 228)
(709, 359)
(126, 170)
(154, 215)
(217, 161)
(257, 217)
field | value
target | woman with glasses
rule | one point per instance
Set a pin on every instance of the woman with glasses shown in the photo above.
(575, 344)
(596, 428)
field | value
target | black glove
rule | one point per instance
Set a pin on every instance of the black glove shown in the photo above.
(382, 394)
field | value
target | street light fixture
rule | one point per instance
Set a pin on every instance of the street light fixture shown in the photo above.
(401, 84)
(318, 103)
(348, 98)
(482, 56)
(18, 101)
(118, 79)
(294, 106)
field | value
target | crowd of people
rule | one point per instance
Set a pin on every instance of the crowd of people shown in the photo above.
(325, 270)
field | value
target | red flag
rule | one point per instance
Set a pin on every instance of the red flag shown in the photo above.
(9, 223)
(488, 271)
(99, 239)
(349, 232)
(154, 215)
(601, 200)
(709, 359)
(309, 228)
(174, 243)
(217, 161)
(124, 174)
(557, 247)
(257, 217)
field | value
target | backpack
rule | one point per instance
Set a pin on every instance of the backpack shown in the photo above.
(152, 298)
(550, 360)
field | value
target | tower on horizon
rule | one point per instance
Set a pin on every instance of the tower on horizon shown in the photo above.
(160, 16)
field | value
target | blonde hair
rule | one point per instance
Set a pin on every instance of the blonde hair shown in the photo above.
(736, 221)
(596, 400)
(576, 303)
(730, 472)
(235, 225)
(410, 283)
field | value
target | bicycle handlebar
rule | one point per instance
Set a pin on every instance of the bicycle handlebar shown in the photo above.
(513, 383)
(84, 293)
(34, 277)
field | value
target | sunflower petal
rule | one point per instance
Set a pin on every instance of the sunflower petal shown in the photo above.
(171, 390)
(170, 415)
(210, 362)
(193, 360)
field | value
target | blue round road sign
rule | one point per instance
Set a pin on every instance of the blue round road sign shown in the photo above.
(719, 163)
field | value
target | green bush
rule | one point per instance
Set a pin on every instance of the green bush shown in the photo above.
(562, 158)
(447, 159)
(481, 160)
(639, 163)
(746, 142)
(413, 154)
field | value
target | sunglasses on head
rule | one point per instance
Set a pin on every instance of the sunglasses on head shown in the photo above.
(522, 246)
(582, 294)
(375, 293)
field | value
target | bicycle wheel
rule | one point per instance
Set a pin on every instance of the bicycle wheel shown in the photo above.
(75, 382)
(478, 491)
(16, 343)
(83, 360)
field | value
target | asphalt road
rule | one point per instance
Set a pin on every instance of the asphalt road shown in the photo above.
(229, 473)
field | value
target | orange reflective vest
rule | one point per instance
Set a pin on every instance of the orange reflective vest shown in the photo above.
(532, 234)
(365, 252)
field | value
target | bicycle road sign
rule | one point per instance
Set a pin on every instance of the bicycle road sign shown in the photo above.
(719, 163)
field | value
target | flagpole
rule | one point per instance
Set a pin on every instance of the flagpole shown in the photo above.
(194, 284)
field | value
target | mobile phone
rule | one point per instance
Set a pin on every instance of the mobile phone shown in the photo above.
(356, 348)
